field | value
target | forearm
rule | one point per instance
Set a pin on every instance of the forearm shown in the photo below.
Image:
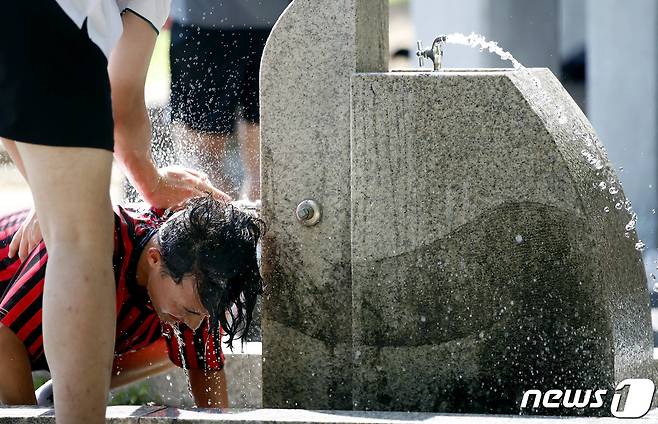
(127, 68)
(209, 388)
(132, 149)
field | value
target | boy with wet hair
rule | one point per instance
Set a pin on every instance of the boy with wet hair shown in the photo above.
(182, 279)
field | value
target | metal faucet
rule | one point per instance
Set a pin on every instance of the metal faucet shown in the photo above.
(435, 54)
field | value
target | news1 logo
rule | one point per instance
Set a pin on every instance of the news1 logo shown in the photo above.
(639, 394)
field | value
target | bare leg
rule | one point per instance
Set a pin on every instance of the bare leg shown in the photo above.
(204, 152)
(250, 152)
(70, 187)
(16, 382)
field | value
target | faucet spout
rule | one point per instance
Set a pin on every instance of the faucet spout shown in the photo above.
(435, 53)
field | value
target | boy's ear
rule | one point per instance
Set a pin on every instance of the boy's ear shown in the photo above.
(154, 256)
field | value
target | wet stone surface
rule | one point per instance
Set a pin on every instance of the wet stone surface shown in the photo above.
(159, 415)
(484, 263)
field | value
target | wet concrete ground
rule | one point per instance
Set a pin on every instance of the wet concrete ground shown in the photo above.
(161, 415)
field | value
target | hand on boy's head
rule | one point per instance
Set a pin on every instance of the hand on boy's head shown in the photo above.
(177, 184)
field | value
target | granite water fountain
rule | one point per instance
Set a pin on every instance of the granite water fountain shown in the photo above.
(440, 240)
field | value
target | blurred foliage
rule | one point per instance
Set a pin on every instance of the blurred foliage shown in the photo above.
(39, 380)
(135, 394)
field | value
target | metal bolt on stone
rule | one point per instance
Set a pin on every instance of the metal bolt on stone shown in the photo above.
(308, 212)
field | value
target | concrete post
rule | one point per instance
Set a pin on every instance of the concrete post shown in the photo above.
(305, 133)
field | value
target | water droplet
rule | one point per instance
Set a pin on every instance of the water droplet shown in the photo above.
(602, 185)
(613, 190)
(618, 206)
(518, 239)
(606, 209)
(640, 246)
(423, 318)
(655, 287)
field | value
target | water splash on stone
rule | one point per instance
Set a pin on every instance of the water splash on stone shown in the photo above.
(594, 155)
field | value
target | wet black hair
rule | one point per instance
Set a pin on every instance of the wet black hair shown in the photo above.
(215, 242)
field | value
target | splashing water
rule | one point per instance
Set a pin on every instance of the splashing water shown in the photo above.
(593, 157)
(631, 224)
(477, 40)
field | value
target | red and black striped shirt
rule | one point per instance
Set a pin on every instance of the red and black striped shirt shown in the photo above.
(21, 285)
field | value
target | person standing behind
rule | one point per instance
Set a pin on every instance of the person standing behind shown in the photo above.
(61, 110)
(216, 47)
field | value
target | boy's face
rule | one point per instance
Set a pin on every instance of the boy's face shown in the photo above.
(173, 302)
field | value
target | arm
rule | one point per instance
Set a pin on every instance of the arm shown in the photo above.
(128, 66)
(209, 388)
(29, 234)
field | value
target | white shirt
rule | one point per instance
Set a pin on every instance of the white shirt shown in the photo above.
(104, 24)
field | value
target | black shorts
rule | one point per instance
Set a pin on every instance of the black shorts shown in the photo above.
(54, 86)
(214, 74)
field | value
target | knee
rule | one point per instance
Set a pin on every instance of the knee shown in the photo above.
(82, 236)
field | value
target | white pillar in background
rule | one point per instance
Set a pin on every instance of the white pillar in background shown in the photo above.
(622, 87)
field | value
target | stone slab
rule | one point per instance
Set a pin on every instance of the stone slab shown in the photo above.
(130, 415)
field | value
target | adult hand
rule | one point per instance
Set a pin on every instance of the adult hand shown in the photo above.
(176, 184)
(26, 238)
